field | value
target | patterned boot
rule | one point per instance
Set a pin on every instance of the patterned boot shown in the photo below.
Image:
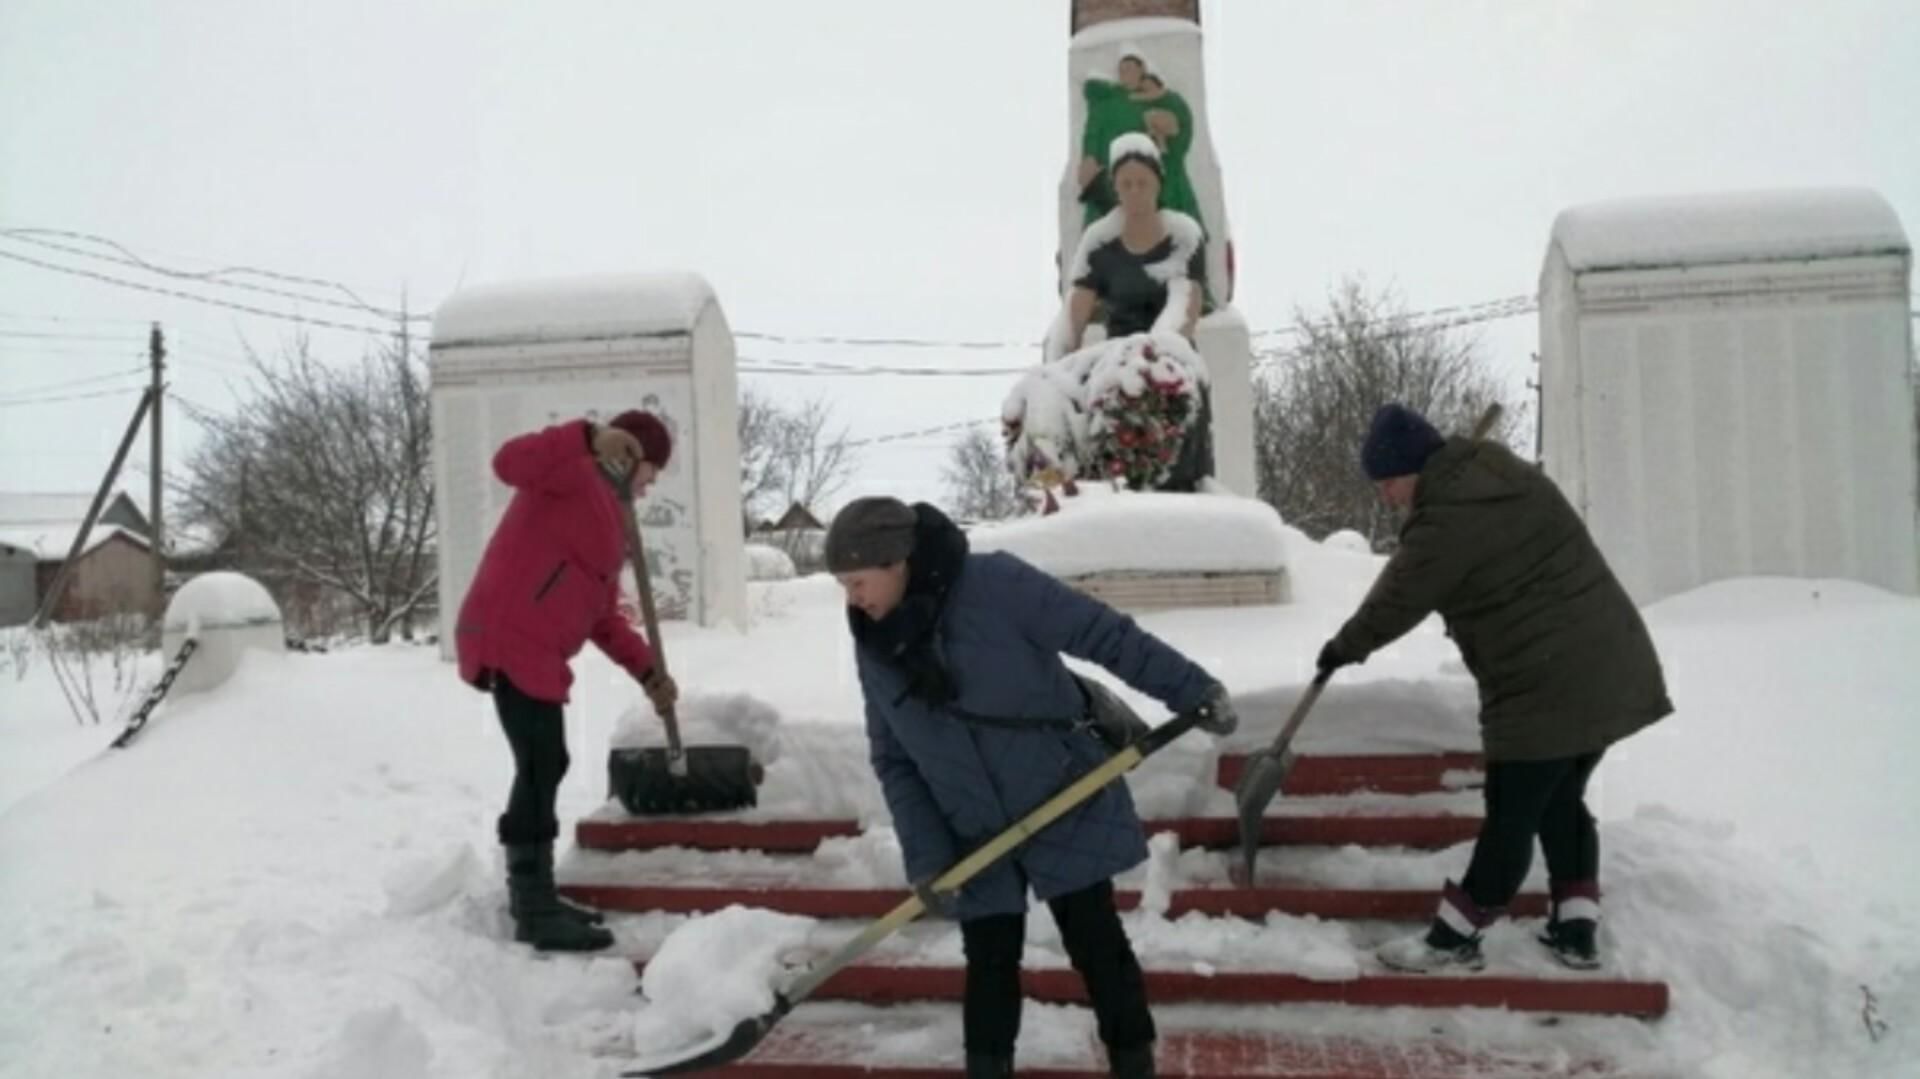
(1452, 942)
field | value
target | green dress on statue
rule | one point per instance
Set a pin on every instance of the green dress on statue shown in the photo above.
(1113, 111)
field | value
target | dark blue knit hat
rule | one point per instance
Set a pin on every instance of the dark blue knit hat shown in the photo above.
(1398, 443)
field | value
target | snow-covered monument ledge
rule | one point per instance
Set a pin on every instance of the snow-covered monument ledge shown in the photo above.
(1726, 386)
(1135, 432)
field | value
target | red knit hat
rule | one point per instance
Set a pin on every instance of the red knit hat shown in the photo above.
(656, 445)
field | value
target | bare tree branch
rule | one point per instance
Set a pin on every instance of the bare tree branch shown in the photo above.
(1311, 415)
(322, 481)
(980, 486)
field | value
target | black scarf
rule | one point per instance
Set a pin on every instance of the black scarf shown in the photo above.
(904, 638)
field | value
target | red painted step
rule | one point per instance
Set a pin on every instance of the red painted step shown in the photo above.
(1412, 773)
(1424, 832)
(898, 983)
(857, 903)
(841, 1051)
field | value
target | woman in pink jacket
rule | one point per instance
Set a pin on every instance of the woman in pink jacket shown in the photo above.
(548, 583)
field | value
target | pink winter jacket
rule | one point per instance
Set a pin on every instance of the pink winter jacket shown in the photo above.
(550, 578)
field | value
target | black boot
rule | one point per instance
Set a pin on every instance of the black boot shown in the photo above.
(539, 917)
(1133, 1062)
(989, 1066)
(540, 857)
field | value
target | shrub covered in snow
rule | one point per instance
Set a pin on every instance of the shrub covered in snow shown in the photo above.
(767, 563)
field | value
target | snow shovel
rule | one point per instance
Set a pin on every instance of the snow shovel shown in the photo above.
(676, 779)
(731, 1046)
(1266, 770)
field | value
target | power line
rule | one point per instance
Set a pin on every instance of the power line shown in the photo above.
(889, 342)
(41, 351)
(72, 397)
(27, 235)
(117, 338)
(756, 366)
(1493, 311)
(213, 364)
(283, 316)
(195, 411)
(1453, 314)
(902, 436)
(16, 316)
(70, 383)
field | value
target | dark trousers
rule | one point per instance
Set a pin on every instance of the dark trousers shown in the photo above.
(1525, 799)
(1098, 948)
(537, 732)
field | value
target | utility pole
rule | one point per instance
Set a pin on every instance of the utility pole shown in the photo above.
(51, 601)
(156, 469)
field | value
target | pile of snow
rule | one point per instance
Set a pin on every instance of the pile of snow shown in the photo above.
(768, 563)
(713, 972)
(1347, 541)
(1101, 530)
(706, 719)
(228, 614)
(1724, 227)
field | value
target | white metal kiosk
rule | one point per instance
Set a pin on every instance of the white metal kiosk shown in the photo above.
(511, 358)
(1726, 386)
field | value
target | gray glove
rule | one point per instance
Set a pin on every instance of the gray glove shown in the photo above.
(1216, 715)
(939, 904)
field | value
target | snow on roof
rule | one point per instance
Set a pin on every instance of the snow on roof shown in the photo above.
(1736, 226)
(50, 542)
(45, 522)
(572, 309)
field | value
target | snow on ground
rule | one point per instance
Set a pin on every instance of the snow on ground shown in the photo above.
(296, 875)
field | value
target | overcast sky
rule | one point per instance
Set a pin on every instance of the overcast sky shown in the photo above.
(876, 168)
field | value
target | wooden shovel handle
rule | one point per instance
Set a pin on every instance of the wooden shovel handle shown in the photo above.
(1487, 419)
(642, 580)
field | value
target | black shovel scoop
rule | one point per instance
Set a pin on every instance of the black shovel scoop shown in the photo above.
(674, 779)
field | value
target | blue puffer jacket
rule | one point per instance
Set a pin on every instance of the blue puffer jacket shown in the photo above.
(952, 785)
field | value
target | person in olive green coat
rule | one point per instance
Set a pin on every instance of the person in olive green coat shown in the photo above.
(1564, 664)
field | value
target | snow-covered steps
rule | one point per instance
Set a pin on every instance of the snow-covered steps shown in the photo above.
(1375, 904)
(1419, 831)
(896, 983)
(1414, 773)
(842, 1042)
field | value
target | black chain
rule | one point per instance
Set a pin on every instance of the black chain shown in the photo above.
(155, 694)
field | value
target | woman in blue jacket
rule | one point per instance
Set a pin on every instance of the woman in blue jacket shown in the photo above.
(974, 721)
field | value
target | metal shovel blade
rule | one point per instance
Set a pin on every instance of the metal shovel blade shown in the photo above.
(741, 1040)
(1265, 771)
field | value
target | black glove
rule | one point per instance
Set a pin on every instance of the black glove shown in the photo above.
(1332, 658)
(939, 904)
(1216, 715)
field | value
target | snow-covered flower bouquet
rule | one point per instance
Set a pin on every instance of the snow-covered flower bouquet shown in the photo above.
(1116, 410)
(1143, 399)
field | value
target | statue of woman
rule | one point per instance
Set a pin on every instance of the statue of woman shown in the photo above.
(1144, 268)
